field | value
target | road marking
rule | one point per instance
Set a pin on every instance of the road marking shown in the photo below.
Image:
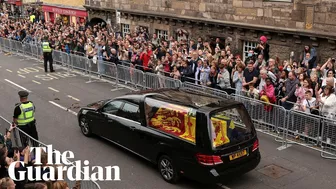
(63, 108)
(222, 186)
(9, 70)
(11, 82)
(73, 98)
(53, 89)
(39, 67)
(36, 82)
(21, 76)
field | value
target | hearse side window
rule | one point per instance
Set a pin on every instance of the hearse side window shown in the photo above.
(130, 111)
(176, 120)
(112, 107)
(230, 127)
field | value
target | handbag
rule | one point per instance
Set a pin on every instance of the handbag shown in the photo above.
(313, 111)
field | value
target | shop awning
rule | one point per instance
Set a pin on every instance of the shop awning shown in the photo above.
(14, 2)
(64, 11)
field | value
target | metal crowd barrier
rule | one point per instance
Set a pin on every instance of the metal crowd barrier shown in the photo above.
(288, 127)
(15, 138)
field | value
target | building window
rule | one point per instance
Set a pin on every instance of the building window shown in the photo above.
(248, 45)
(125, 29)
(162, 34)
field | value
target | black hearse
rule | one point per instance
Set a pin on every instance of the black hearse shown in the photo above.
(183, 133)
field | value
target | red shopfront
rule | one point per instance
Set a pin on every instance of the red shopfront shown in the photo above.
(67, 15)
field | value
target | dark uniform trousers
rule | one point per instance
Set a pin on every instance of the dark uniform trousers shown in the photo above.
(29, 129)
(47, 56)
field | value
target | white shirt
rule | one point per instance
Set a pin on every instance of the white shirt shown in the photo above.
(312, 103)
(328, 107)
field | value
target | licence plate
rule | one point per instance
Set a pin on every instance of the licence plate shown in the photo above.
(238, 155)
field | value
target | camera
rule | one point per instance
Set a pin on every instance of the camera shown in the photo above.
(333, 60)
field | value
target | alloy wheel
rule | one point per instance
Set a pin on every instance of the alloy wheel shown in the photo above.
(85, 126)
(166, 168)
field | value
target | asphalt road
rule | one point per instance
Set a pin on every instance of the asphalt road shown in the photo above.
(51, 93)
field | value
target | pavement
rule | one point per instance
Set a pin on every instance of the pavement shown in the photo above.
(58, 96)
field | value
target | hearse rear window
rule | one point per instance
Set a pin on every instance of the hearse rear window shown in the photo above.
(230, 126)
(179, 121)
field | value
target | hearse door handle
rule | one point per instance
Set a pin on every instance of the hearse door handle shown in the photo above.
(132, 128)
(110, 121)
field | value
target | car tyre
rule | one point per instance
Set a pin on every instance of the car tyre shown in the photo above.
(168, 170)
(84, 125)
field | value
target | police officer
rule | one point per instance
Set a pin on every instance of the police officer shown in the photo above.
(24, 118)
(47, 55)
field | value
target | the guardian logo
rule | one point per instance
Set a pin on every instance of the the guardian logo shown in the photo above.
(73, 170)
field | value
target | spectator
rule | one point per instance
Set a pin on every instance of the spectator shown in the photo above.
(308, 57)
(260, 62)
(263, 48)
(272, 67)
(262, 80)
(205, 73)
(330, 74)
(267, 94)
(176, 73)
(302, 77)
(238, 79)
(186, 71)
(212, 77)
(300, 96)
(309, 104)
(250, 75)
(198, 72)
(289, 90)
(308, 62)
(40, 186)
(8, 183)
(327, 102)
(252, 92)
(223, 77)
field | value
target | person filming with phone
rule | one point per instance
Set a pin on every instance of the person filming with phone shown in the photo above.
(263, 48)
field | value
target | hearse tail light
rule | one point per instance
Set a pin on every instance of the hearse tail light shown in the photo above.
(255, 145)
(208, 159)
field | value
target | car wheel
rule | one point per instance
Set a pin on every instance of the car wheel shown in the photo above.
(168, 170)
(84, 125)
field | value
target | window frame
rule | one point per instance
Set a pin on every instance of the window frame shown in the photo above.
(165, 132)
(121, 110)
(125, 29)
(121, 105)
(241, 110)
(162, 33)
(251, 45)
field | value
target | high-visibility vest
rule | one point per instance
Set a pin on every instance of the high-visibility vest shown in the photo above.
(27, 113)
(32, 17)
(46, 47)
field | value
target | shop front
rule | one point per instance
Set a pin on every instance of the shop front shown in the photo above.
(14, 7)
(66, 15)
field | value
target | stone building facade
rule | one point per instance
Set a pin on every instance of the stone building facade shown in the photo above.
(288, 24)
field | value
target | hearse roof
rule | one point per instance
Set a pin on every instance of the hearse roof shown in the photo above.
(182, 97)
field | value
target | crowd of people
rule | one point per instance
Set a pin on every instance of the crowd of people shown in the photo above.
(10, 155)
(304, 84)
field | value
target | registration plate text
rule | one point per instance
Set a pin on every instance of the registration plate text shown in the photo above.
(238, 155)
